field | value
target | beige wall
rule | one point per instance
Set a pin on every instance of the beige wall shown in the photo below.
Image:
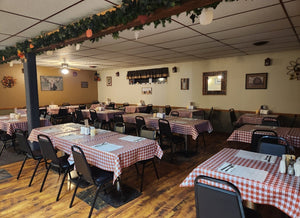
(72, 91)
(282, 95)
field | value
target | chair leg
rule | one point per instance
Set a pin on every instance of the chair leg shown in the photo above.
(142, 177)
(94, 201)
(35, 169)
(75, 190)
(22, 167)
(45, 177)
(4, 146)
(156, 172)
(137, 169)
(61, 185)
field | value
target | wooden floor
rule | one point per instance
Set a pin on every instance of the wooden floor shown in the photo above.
(160, 198)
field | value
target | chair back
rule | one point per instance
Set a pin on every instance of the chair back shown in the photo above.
(164, 128)
(65, 104)
(93, 114)
(175, 113)
(168, 109)
(79, 115)
(215, 202)
(62, 112)
(43, 112)
(111, 106)
(125, 104)
(266, 146)
(139, 122)
(149, 109)
(21, 142)
(257, 134)
(47, 149)
(199, 114)
(232, 115)
(118, 118)
(293, 121)
(82, 106)
(119, 127)
(210, 115)
(270, 121)
(81, 164)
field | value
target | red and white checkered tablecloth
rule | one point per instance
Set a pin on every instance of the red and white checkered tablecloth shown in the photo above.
(253, 118)
(114, 161)
(185, 126)
(244, 133)
(293, 137)
(103, 115)
(135, 109)
(9, 125)
(130, 118)
(280, 190)
(188, 113)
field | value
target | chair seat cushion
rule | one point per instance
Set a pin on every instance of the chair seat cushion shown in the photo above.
(101, 176)
(37, 154)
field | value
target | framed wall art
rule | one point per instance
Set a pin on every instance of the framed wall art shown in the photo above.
(84, 84)
(108, 81)
(256, 80)
(51, 83)
(146, 90)
(184, 83)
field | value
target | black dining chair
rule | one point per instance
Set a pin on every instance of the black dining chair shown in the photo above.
(266, 145)
(6, 139)
(23, 146)
(216, 202)
(270, 121)
(90, 174)
(82, 106)
(139, 123)
(79, 116)
(168, 109)
(257, 134)
(233, 119)
(174, 114)
(149, 109)
(53, 161)
(94, 118)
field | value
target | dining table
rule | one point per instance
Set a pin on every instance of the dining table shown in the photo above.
(189, 113)
(257, 178)
(10, 125)
(135, 108)
(106, 115)
(55, 110)
(249, 118)
(244, 133)
(107, 150)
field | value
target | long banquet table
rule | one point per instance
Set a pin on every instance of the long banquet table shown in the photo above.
(9, 125)
(271, 187)
(244, 133)
(107, 150)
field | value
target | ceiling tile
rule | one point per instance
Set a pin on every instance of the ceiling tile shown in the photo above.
(19, 23)
(292, 7)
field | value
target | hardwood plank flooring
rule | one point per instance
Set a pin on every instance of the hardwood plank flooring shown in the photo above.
(160, 198)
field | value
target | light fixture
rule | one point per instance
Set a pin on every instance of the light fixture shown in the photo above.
(206, 16)
(260, 43)
(64, 68)
(136, 34)
(77, 47)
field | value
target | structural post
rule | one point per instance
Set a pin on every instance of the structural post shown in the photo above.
(31, 90)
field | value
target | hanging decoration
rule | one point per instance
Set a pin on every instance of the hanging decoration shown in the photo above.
(8, 82)
(128, 11)
(294, 69)
(206, 16)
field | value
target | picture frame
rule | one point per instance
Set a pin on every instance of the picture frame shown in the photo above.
(108, 81)
(256, 81)
(51, 83)
(84, 84)
(184, 84)
(146, 90)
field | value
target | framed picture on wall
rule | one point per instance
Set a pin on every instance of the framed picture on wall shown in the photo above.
(51, 83)
(184, 83)
(108, 81)
(256, 80)
(84, 84)
(146, 90)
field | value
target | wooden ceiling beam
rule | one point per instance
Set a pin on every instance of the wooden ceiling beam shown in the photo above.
(187, 5)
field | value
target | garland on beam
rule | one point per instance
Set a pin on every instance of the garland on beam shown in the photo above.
(128, 11)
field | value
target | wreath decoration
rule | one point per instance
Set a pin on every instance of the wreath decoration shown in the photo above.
(8, 81)
(294, 69)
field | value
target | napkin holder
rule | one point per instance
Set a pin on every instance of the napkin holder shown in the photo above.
(53, 106)
(12, 116)
(191, 107)
(161, 115)
(264, 112)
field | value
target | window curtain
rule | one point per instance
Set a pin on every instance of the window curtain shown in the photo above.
(149, 73)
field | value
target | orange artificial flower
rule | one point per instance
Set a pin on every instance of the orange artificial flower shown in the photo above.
(89, 33)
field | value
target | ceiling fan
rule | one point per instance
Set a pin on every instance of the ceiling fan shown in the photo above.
(65, 68)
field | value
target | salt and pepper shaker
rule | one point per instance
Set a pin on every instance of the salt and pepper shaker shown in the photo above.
(282, 165)
(291, 170)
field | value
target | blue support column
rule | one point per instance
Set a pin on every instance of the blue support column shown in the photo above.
(31, 89)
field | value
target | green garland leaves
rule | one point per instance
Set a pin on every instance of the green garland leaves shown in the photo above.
(127, 12)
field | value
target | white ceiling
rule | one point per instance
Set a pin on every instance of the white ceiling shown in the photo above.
(236, 26)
